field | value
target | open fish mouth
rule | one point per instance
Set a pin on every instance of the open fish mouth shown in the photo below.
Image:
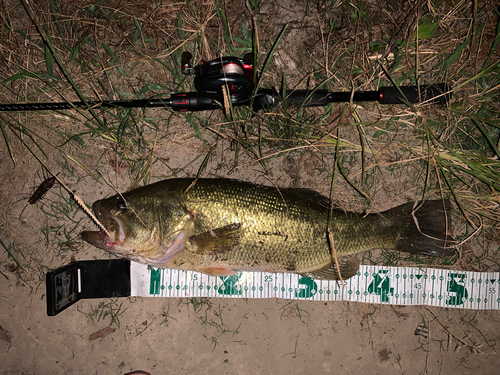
(102, 240)
(114, 243)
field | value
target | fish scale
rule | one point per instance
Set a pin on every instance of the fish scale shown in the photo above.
(274, 226)
(220, 226)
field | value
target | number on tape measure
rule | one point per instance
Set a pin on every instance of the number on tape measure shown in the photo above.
(373, 284)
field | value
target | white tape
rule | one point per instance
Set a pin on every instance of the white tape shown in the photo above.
(372, 284)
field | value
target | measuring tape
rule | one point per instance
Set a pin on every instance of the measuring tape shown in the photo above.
(372, 284)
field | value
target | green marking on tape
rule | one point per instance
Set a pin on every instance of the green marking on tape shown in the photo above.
(457, 293)
(381, 286)
(307, 288)
(230, 285)
(154, 284)
(372, 284)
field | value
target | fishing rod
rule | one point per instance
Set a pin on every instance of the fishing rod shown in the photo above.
(237, 76)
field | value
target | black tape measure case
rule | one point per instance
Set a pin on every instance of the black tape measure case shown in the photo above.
(86, 280)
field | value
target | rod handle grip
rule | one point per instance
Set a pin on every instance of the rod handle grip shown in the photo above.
(438, 93)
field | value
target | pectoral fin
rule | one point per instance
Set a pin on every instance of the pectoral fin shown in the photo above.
(348, 268)
(218, 240)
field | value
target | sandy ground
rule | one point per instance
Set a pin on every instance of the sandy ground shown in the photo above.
(164, 336)
(225, 336)
(263, 337)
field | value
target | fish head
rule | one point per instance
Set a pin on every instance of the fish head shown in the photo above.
(146, 228)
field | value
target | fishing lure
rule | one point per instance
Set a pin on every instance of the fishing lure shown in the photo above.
(40, 191)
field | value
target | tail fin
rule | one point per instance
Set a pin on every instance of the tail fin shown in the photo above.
(424, 229)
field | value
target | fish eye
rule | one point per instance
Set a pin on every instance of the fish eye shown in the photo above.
(121, 205)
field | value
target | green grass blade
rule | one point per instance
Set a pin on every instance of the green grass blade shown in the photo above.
(49, 60)
(269, 57)
(426, 30)
(204, 163)
(455, 55)
(12, 255)
(7, 140)
(485, 133)
(496, 41)
(489, 69)
(68, 76)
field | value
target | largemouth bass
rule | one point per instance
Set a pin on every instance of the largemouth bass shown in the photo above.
(220, 226)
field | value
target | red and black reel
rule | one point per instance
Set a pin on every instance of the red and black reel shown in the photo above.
(232, 72)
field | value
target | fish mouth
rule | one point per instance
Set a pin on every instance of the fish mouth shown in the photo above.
(102, 240)
(114, 243)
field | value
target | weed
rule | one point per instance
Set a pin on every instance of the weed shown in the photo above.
(212, 318)
(11, 252)
(106, 310)
(215, 342)
(254, 5)
(462, 363)
(217, 321)
(294, 354)
(199, 303)
(292, 309)
(166, 316)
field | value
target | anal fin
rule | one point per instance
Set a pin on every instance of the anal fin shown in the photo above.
(217, 271)
(348, 268)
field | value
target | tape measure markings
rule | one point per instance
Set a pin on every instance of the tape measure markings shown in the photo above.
(373, 284)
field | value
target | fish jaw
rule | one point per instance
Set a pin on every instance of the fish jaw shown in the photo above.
(112, 242)
(95, 238)
(157, 254)
(165, 254)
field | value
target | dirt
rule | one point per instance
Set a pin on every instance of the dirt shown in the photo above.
(206, 336)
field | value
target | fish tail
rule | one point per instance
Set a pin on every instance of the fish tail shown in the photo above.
(424, 228)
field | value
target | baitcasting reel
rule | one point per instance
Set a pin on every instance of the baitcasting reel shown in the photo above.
(231, 72)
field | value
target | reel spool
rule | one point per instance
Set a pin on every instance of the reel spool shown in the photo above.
(212, 76)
